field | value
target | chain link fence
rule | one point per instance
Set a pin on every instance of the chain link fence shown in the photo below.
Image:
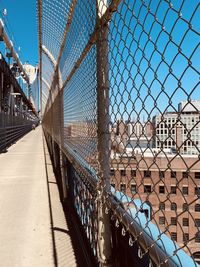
(155, 112)
(127, 77)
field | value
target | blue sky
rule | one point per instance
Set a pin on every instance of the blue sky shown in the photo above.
(148, 74)
(22, 21)
(135, 90)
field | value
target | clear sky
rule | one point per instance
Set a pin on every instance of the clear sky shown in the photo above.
(136, 88)
(21, 21)
(152, 68)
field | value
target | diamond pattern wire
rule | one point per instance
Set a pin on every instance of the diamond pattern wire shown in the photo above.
(35, 92)
(80, 129)
(155, 112)
(49, 68)
(55, 14)
(85, 205)
(45, 90)
(48, 71)
(153, 69)
(81, 28)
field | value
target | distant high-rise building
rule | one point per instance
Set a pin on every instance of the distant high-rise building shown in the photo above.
(189, 106)
(140, 134)
(140, 129)
(179, 131)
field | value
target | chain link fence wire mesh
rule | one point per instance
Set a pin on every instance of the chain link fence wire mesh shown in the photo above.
(155, 112)
(55, 15)
(84, 198)
(35, 91)
(152, 61)
(80, 108)
(81, 28)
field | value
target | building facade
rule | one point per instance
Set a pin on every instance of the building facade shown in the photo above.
(173, 195)
(178, 132)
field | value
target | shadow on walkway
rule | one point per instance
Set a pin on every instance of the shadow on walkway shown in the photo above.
(69, 247)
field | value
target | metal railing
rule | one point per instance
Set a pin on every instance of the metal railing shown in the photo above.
(11, 129)
(120, 101)
(17, 114)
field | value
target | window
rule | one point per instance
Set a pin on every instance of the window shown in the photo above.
(173, 206)
(197, 175)
(133, 188)
(162, 220)
(185, 222)
(161, 174)
(185, 174)
(185, 190)
(197, 222)
(147, 188)
(185, 237)
(197, 191)
(197, 207)
(133, 173)
(112, 172)
(185, 207)
(161, 189)
(123, 172)
(123, 188)
(173, 221)
(196, 256)
(147, 173)
(173, 189)
(173, 174)
(197, 237)
(162, 206)
(174, 236)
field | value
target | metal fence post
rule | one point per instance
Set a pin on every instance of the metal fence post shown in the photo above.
(39, 3)
(61, 133)
(104, 231)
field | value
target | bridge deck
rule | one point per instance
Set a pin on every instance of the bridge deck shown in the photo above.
(33, 228)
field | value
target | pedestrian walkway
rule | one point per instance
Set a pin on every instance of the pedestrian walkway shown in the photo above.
(33, 228)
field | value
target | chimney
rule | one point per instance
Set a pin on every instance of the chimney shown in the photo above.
(179, 137)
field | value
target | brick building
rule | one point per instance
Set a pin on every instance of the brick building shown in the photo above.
(170, 184)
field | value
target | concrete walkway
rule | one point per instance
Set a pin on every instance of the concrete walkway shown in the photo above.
(30, 209)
